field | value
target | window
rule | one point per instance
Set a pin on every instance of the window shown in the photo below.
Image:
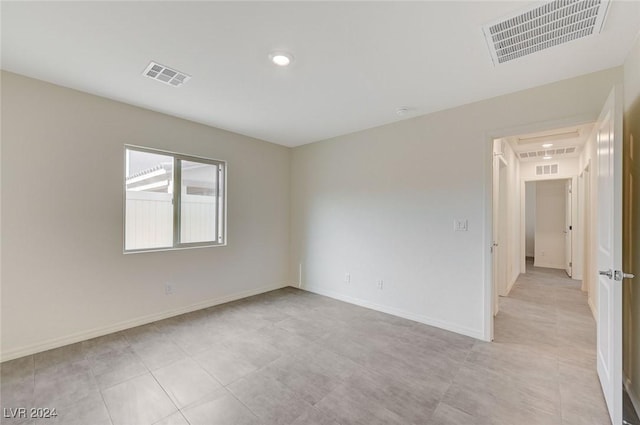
(172, 201)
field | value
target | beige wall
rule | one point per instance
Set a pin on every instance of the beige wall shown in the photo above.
(631, 224)
(530, 218)
(380, 204)
(64, 277)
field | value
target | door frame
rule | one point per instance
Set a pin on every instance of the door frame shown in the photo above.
(570, 203)
(488, 291)
(500, 248)
(582, 218)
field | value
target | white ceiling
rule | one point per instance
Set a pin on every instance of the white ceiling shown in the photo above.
(355, 62)
(560, 138)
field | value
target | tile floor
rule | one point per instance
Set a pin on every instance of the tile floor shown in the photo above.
(291, 357)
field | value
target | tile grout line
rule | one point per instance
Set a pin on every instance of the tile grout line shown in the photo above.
(154, 378)
(93, 376)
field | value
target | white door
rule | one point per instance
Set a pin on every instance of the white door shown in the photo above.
(495, 247)
(499, 245)
(568, 227)
(503, 241)
(609, 253)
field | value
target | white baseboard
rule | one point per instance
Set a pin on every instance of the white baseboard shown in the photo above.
(473, 333)
(635, 400)
(138, 321)
(537, 263)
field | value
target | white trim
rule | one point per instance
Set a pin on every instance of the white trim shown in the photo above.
(487, 269)
(127, 324)
(523, 226)
(576, 228)
(635, 400)
(473, 333)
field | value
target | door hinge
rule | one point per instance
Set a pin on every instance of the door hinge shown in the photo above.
(570, 264)
(570, 227)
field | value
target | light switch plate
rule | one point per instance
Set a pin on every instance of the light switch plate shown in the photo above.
(460, 225)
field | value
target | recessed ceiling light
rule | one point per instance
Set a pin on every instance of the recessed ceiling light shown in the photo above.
(547, 145)
(281, 58)
(547, 157)
(402, 110)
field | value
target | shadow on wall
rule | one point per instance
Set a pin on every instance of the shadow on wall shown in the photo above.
(631, 244)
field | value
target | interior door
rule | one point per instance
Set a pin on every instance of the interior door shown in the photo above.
(568, 229)
(498, 248)
(503, 241)
(495, 247)
(609, 252)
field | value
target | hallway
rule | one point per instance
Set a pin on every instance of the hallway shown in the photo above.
(547, 326)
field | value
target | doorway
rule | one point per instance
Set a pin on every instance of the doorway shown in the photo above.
(602, 242)
(549, 224)
(500, 244)
(548, 155)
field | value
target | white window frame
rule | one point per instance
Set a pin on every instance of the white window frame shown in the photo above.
(221, 217)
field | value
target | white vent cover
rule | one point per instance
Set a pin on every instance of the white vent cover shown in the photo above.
(546, 169)
(540, 28)
(165, 74)
(548, 152)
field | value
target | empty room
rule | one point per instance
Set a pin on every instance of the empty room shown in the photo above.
(320, 213)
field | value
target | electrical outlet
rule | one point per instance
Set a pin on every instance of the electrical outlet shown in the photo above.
(380, 284)
(168, 289)
(347, 278)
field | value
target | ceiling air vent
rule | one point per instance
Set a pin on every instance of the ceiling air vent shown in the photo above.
(548, 152)
(165, 74)
(540, 28)
(546, 169)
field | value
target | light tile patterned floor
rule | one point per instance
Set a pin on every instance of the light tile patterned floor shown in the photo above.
(291, 357)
